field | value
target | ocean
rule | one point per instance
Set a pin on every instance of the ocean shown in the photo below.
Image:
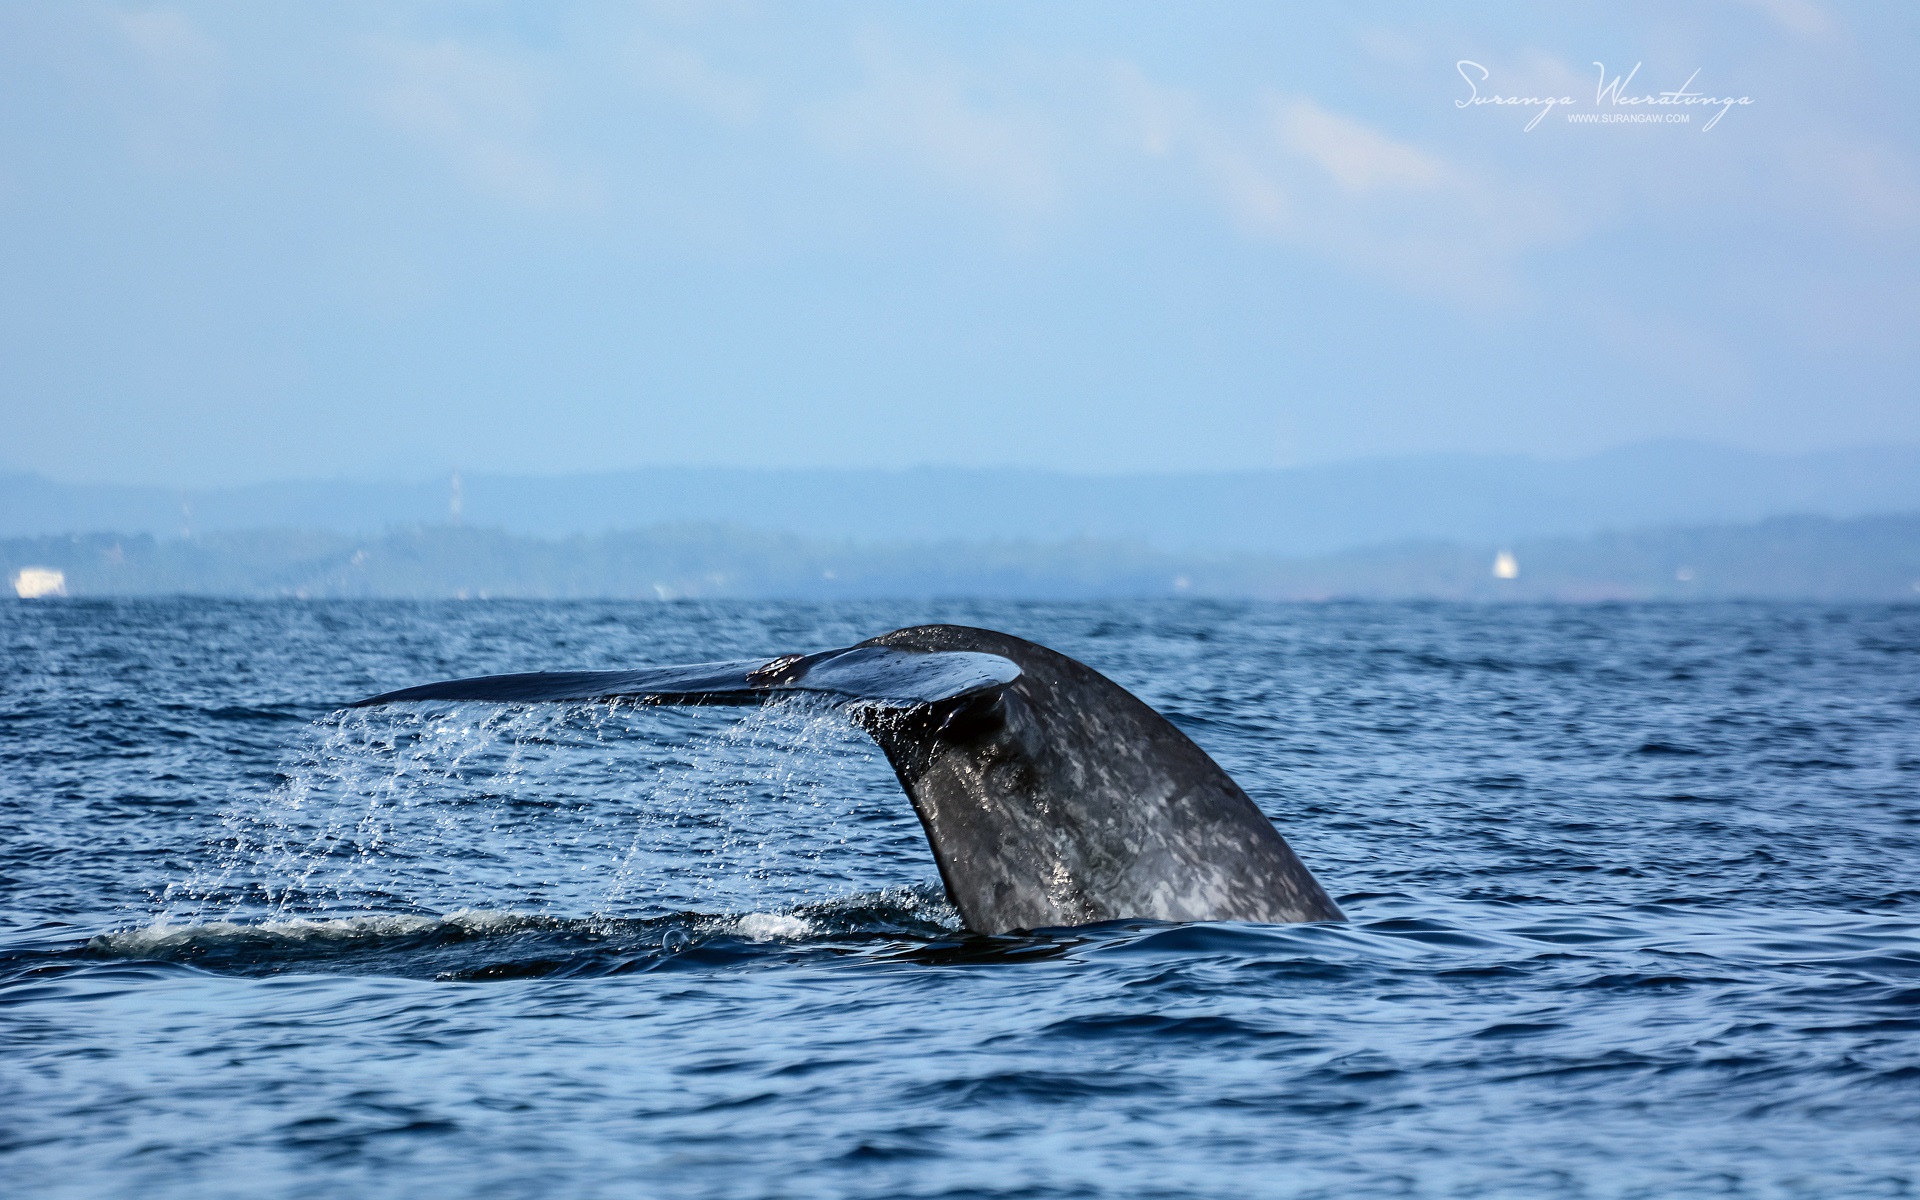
(1634, 901)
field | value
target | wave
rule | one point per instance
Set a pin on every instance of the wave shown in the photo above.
(477, 943)
(1637, 946)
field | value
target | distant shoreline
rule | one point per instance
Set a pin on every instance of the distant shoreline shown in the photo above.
(1873, 558)
(1474, 500)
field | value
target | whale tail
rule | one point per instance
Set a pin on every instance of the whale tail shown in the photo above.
(1050, 795)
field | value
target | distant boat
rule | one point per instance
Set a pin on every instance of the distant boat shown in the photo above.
(34, 583)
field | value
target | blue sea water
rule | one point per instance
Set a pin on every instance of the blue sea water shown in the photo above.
(1634, 896)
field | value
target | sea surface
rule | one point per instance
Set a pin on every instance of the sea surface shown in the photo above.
(1634, 896)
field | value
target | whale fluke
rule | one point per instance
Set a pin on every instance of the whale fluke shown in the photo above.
(879, 675)
(1050, 795)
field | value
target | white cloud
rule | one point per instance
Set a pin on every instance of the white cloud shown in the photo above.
(680, 73)
(1359, 158)
(1800, 17)
(480, 110)
(930, 116)
(173, 123)
(1289, 170)
(1253, 196)
(1392, 46)
(170, 43)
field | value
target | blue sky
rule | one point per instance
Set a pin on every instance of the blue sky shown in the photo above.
(249, 241)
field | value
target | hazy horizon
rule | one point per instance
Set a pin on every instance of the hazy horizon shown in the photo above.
(1308, 510)
(399, 474)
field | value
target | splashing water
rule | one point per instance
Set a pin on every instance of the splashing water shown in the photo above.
(783, 805)
(602, 810)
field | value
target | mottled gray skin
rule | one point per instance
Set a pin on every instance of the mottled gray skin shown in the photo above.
(1064, 800)
(1050, 795)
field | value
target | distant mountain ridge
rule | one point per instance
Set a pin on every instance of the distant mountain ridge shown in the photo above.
(1797, 558)
(1301, 511)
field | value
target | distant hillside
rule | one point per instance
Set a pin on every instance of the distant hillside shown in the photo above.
(1308, 511)
(1873, 558)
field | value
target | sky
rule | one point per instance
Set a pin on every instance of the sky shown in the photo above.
(251, 241)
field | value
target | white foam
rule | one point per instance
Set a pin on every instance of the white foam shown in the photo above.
(771, 927)
(161, 938)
